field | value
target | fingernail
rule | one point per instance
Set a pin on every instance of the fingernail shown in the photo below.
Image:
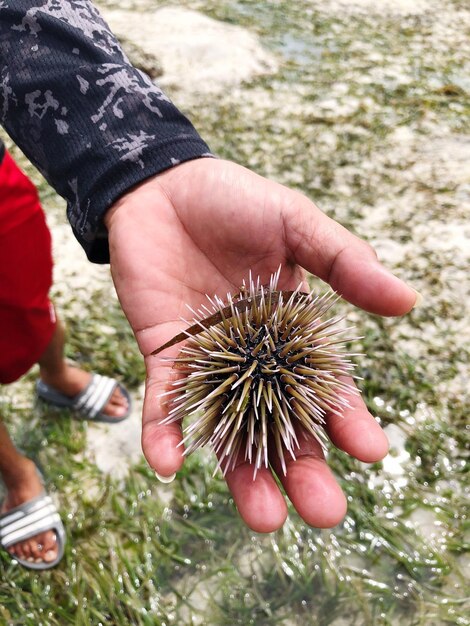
(38, 560)
(50, 554)
(30, 559)
(419, 299)
(165, 479)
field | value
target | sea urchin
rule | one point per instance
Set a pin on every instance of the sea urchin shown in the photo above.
(264, 366)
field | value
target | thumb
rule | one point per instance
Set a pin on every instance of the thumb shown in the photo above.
(349, 264)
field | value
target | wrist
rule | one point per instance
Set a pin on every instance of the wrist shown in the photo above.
(133, 199)
(152, 190)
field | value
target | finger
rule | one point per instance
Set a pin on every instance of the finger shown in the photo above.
(356, 431)
(259, 502)
(310, 484)
(161, 442)
(348, 264)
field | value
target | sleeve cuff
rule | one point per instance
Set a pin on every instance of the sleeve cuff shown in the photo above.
(86, 214)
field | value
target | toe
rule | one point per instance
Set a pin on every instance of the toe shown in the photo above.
(51, 554)
(50, 547)
(26, 548)
(16, 550)
(117, 405)
(21, 552)
(113, 410)
(37, 545)
(34, 553)
(119, 398)
(50, 542)
(36, 549)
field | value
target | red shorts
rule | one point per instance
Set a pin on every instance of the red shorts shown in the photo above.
(27, 319)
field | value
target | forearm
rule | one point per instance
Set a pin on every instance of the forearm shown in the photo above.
(94, 125)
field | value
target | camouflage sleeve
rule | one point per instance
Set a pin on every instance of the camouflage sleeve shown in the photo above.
(93, 124)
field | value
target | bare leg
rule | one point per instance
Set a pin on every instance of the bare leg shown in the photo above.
(22, 484)
(69, 380)
(19, 473)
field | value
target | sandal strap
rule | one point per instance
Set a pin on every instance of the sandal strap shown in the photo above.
(94, 398)
(27, 520)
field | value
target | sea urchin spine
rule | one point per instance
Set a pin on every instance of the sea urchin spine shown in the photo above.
(266, 366)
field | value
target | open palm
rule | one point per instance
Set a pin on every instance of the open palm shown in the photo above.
(199, 229)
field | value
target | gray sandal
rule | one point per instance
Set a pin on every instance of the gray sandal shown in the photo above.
(29, 519)
(90, 402)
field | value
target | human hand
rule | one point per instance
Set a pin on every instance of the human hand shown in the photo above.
(198, 229)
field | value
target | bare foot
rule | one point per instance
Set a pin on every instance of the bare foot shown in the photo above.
(72, 380)
(22, 487)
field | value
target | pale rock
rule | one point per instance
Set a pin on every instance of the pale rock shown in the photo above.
(197, 53)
